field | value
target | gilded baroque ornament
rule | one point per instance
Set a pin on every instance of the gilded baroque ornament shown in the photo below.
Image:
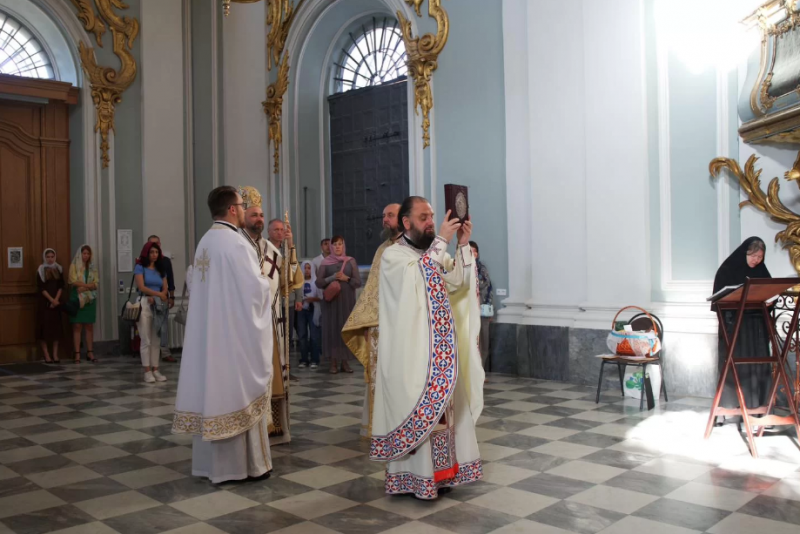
(107, 84)
(423, 53)
(280, 15)
(273, 107)
(770, 203)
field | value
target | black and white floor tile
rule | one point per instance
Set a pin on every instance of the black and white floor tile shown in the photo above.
(88, 450)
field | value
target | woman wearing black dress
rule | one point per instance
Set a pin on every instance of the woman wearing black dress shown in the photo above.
(50, 283)
(747, 261)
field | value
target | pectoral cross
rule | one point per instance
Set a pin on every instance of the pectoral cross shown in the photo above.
(203, 263)
(274, 262)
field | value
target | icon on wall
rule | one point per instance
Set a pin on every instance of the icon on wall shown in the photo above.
(15, 257)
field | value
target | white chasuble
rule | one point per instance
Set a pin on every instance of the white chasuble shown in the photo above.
(429, 380)
(225, 380)
(270, 259)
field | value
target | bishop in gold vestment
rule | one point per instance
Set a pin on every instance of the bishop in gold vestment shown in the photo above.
(360, 332)
(271, 263)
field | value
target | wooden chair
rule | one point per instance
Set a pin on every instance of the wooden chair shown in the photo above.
(637, 322)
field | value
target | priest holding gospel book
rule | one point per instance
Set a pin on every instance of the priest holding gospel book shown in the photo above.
(429, 381)
(747, 261)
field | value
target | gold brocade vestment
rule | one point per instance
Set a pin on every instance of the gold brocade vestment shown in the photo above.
(360, 332)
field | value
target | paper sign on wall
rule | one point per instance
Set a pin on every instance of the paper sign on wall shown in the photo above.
(15, 257)
(125, 251)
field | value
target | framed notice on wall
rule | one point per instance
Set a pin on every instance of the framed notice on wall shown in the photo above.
(15, 257)
(125, 251)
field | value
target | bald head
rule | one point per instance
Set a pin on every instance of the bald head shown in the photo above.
(390, 228)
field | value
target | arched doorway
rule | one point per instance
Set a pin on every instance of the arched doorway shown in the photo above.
(34, 179)
(368, 133)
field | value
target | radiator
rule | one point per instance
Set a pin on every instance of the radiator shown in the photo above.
(176, 330)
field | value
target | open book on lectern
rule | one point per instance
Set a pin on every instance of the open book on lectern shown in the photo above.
(725, 291)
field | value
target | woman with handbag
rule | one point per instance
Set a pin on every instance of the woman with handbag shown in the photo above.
(84, 280)
(151, 281)
(50, 284)
(339, 278)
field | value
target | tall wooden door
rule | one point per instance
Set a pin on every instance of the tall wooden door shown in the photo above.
(369, 162)
(34, 209)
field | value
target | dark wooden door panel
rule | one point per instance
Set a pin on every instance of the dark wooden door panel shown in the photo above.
(34, 213)
(369, 162)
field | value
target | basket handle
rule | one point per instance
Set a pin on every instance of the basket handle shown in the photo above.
(614, 321)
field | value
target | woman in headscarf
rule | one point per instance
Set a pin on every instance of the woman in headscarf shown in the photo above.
(340, 268)
(308, 327)
(84, 280)
(50, 284)
(747, 261)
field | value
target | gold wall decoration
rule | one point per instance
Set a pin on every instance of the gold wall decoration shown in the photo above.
(770, 203)
(422, 58)
(273, 107)
(107, 84)
(280, 15)
(773, 108)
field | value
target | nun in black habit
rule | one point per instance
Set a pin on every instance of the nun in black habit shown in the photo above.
(747, 261)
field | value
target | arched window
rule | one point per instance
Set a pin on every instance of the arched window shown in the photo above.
(375, 55)
(21, 54)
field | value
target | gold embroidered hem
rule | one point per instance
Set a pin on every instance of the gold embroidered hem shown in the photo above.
(221, 426)
(370, 372)
(365, 313)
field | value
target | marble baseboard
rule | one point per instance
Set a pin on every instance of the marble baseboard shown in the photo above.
(568, 354)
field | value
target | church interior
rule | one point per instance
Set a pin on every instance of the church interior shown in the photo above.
(617, 155)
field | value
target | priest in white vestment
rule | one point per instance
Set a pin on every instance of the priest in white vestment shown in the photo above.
(429, 381)
(270, 262)
(226, 371)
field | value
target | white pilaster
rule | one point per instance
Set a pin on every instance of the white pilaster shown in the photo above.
(244, 71)
(558, 153)
(518, 169)
(617, 194)
(163, 106)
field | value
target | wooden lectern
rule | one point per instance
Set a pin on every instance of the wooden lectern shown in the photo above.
(753, 295)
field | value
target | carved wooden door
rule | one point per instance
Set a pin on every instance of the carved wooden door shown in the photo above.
(369, 162)
(34, 214)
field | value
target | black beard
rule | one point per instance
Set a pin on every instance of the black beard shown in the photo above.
(388, 233)
(255, 230)
(422, 240)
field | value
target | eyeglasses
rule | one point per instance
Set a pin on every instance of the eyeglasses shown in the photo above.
(242, 204)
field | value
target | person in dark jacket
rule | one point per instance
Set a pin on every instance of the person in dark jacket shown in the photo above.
(166, 355)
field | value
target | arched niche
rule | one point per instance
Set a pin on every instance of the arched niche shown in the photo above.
(314, 42)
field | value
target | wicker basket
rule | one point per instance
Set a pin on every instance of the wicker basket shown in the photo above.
(634, 344)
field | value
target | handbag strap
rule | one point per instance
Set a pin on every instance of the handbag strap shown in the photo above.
(130, 292)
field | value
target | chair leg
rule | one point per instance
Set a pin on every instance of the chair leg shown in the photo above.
(641, 397)
(663, 381)
(600, 382)
(621, 371)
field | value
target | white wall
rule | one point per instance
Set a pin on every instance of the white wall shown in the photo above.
(161, 71)
(616, 134)
(244, 72)
(587, 153)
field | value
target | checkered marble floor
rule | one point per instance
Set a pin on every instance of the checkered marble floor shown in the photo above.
(87, 450)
